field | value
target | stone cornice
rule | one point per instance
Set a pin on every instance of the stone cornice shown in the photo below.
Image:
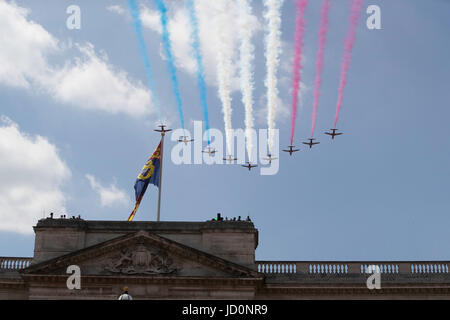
(60, 280)
(133, 226)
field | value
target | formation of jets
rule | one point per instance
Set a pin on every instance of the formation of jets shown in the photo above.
(249, 166)
(311, 142)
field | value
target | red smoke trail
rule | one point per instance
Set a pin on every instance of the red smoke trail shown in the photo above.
(348, 46)
(319, 61)
(299, 31)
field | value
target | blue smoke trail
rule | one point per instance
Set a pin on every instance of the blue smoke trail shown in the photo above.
(195, 41)
(170, 61)
(134, 10)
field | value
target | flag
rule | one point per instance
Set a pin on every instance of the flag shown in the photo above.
(149, 174)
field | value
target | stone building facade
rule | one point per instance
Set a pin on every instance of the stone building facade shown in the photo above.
(196, 260)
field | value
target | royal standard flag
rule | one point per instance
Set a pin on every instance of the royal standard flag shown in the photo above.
(149, 174)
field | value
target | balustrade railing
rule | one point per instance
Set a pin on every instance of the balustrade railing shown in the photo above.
(306, 267)
(14, 263)
(352, 267)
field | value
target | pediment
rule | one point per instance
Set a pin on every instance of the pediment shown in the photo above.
(142, 254)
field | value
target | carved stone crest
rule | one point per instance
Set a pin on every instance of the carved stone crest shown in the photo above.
(141, 260)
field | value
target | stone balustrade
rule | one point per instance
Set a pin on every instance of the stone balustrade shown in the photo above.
(352, 267)
(14, 263)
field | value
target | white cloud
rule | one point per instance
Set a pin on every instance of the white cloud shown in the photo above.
(25, 46)
(89, 82)
(32, 174)
(93, 83)
(109, 196)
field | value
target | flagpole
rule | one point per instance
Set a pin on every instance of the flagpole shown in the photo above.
(163, 133)
(160, 176)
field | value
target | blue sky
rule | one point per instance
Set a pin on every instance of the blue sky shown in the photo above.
(379, 192)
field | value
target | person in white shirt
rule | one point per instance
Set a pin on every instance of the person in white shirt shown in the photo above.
(125, 295)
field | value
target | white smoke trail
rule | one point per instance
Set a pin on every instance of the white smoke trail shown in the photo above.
(246, 72)
(273, 51)
(223, 39)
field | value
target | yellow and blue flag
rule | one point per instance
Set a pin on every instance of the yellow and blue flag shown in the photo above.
(149, 174)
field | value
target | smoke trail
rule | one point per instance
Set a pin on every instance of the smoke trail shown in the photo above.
(170, 60)
(273, 50)
(134, 11)
(245, 72)
(348, 46)
(195, 42)
(319, 62)
(297, 66)
(224, 67)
